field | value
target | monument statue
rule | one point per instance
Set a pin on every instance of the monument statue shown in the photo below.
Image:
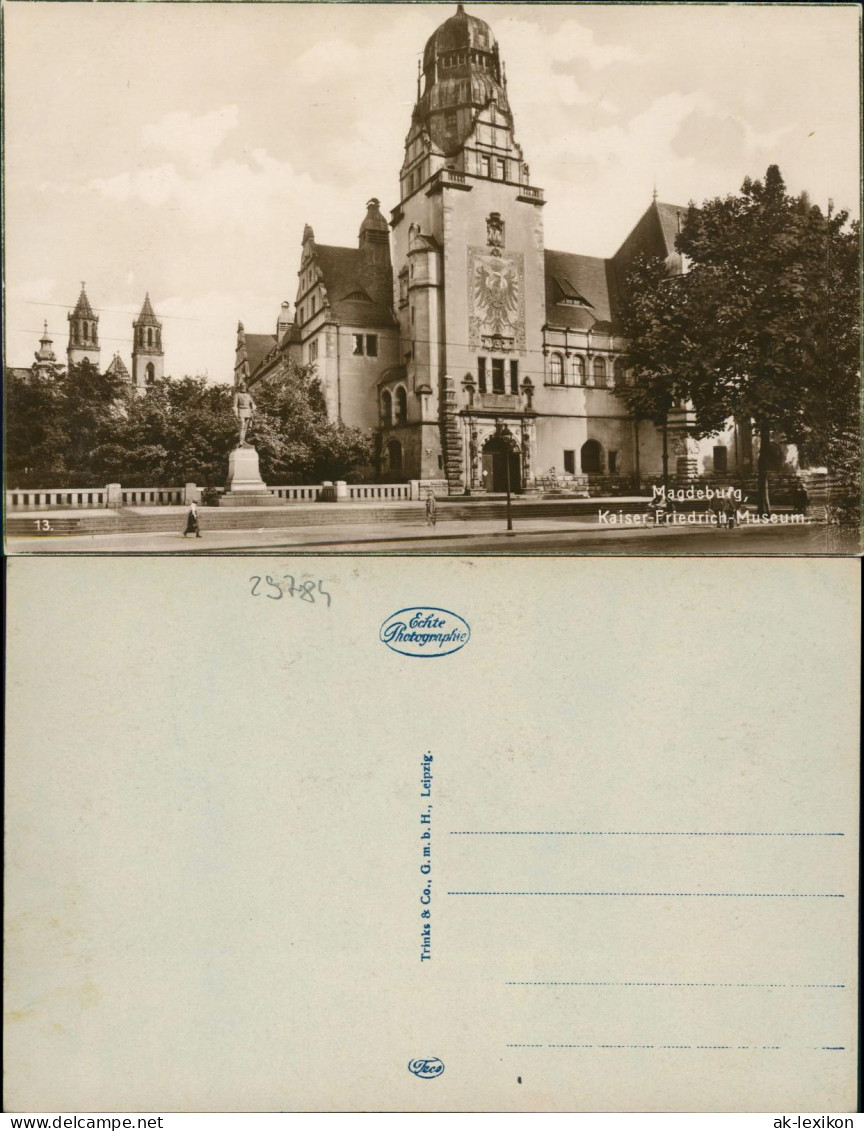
(244, 410)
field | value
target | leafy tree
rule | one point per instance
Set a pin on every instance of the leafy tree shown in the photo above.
(35, 438)
(296, 441)
(833, 436)
(654, 321)
(751, 343)
(84, 427)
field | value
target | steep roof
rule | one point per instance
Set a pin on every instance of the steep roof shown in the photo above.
(117, 368)
(360, 292)
(83, 309)
(257, 348)
(146, 316)
(578, 290)
(654, 234)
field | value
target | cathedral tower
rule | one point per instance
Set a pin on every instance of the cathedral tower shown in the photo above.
(147, 356)
(83, 332)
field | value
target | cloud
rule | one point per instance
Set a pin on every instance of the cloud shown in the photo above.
(326, 59)
(574, 41)
(193, 137)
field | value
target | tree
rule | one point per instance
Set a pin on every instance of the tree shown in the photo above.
(751, 341)
(833, 436)
(295, 440)
(654, 321)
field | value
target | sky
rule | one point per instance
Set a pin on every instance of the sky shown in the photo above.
(179, 148)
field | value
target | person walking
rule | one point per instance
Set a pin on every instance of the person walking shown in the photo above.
(431, 509)
(192, 523)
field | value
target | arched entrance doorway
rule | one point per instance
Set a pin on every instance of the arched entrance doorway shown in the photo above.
(394, 457)
(591, 458)
(502, 458)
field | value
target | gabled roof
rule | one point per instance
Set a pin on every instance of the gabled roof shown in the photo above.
(359, 292)
(257, 348)
(571, 278)
(117, 368)
(654, 234)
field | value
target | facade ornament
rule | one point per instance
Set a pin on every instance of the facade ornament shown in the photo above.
(495, 232)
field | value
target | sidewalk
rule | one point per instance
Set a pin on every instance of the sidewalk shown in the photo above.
(363, 535)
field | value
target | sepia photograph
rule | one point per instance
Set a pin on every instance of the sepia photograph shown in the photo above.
(432, 278)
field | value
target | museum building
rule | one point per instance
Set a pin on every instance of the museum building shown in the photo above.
(480, 356)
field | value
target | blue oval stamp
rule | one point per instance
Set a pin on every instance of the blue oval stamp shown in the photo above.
(425, 632)
(426, 1067)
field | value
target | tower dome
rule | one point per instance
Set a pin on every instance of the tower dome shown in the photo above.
(462, 73)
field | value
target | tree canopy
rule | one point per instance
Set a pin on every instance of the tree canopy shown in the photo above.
(763, 325)
(83, 427)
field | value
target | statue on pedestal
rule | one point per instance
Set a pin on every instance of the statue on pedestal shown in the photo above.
(244, 410)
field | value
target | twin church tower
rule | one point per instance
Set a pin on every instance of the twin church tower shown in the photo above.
(147, 353)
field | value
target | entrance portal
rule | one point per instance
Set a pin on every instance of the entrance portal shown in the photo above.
(501, 458)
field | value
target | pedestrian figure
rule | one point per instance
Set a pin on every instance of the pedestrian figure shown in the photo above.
(192, 525)
(802, 499)
(729, 512)
(431, 512)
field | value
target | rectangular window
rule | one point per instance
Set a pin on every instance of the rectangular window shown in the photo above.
(514, 376)
(481, 374)
(357, 345)
(313, 350)
(502, 169)
(484, 167)
(613, 463)
(570, 463)
(721, 459)
(313, 304)
(371, 345)
(498, 375)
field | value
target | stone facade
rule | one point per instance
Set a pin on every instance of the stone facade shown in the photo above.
(494, 357)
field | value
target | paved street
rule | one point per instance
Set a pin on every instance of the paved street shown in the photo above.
(532, 536)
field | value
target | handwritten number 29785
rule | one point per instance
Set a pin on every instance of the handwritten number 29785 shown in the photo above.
(278, 587)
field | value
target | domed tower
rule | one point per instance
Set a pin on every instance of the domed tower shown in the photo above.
(46, 360)
(462, 85)
(83, 332)
(147, 356)
(468, 260)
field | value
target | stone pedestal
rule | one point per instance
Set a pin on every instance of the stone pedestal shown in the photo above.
(245, 487)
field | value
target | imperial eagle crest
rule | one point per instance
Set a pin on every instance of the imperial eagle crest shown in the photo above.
(496, 305)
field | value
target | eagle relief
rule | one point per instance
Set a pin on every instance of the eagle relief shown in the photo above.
(496, 300)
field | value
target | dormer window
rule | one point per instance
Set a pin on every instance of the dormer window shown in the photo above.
(568, 295)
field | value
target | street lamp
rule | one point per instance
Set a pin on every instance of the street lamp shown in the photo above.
(504, 437)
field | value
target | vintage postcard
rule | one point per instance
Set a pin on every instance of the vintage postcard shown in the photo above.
(428, 278)
(501, 835)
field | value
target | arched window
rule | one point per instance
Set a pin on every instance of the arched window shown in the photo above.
(401, 405)
(620, 372)
(150, 372)
(556, 369)
(579, 370)
(386, 409)
(149, 336)
(600, 372)
(83, 331)
(394, 456)
(591, 458)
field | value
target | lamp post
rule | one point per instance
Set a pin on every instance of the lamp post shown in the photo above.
(503, 437)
